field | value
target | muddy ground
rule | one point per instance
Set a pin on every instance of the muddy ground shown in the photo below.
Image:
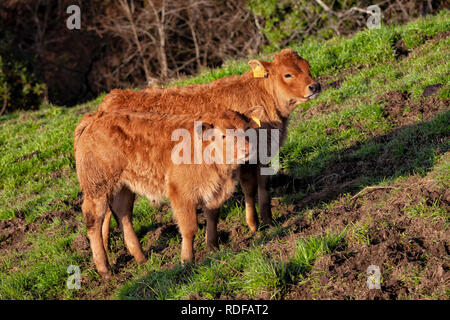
(408, 251)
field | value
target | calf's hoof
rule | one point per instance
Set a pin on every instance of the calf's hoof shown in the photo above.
(268, 222)
(211, 247)
(187, 261)
(253, 228)
(141, 260)
(106, 275)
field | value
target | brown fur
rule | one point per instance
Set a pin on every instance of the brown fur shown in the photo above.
(276, 94)
(119, 154)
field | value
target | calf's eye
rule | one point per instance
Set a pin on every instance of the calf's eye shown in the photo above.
(288, 75)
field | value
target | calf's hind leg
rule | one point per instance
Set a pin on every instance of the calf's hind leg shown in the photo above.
(94, 211)
(122, 208)
(212, 217)
(105, 228)
(264, 198)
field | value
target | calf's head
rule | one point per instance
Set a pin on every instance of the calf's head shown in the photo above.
(288, 77)
(229, 135)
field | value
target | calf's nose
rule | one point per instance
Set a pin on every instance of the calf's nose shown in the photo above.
(315, 88)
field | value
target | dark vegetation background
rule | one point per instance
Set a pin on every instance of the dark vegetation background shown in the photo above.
(125, 43)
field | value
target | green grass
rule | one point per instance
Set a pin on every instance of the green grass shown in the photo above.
(51, 255)
(308, 250)
(429, 210)
(225, 273)
(25, 182)
(244, 274)
(37, 178)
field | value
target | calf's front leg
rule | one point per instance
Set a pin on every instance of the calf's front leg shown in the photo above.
(186, 218)
(122, 208)
(249, 185)
(264, 198)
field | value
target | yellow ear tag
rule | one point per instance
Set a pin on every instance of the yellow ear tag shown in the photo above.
(257, 121)
(258, 72)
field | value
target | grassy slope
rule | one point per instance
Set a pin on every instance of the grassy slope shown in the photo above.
(38, 182)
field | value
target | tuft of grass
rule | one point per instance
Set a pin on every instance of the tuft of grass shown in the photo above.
(361, 233)
(308, 250)
(432, 211)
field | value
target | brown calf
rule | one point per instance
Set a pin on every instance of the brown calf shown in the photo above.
(120, 154)
(278, 86)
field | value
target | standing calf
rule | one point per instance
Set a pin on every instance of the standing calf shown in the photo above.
(120, 154)
(278, 86)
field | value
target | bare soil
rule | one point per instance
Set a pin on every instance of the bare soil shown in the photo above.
(412, 253)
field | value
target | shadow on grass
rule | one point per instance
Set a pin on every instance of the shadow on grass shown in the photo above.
(208, 278)
(404, 151)
(221, 274)
(249, 273)
(156, 285)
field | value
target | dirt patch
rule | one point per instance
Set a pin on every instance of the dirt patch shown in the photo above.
(400, 110)
(410, 251)
(67, 217)
(441, 36)
(14, 231)
(160, 237)
(56, 174)
(430, 90)
(395, 102)
(336, 84)
(28, 156)
(81, 244)
(401, 50)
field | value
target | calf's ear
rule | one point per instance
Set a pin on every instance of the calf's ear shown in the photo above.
(254, 123)
(257, 111)
(257, 114)
(259, 68)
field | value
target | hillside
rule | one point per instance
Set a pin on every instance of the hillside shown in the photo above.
(365, 181)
